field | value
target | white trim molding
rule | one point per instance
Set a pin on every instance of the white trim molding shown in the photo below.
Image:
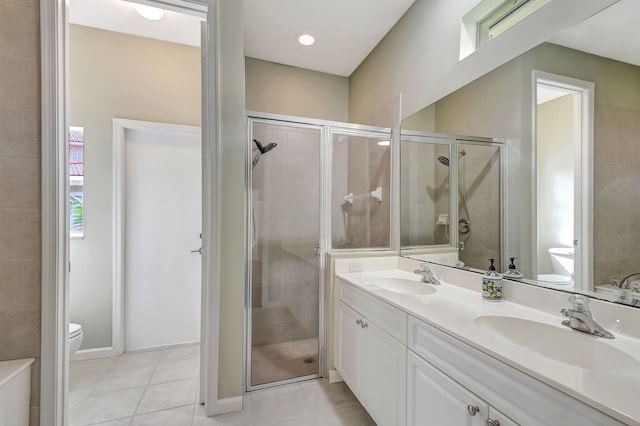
(55, 228)
(55, 232)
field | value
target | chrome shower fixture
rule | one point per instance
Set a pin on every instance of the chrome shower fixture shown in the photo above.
(262, 149)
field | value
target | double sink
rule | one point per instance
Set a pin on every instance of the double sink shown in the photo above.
(545, 339)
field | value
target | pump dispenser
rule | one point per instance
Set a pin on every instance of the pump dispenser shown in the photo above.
(512, 273)
(492, 284)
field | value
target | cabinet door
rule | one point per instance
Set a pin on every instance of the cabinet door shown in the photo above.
(435, 399)
(348, 349)
(496, 418)
(385, 376)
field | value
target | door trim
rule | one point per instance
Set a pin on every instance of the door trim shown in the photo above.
(54, 360)
(584, 127)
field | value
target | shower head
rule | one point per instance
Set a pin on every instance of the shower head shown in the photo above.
(445, 161)
(261, 150)
(264, 149)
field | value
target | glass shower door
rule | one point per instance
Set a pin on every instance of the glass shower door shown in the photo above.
(284, 293)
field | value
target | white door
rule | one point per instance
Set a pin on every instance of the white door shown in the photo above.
(163, 219)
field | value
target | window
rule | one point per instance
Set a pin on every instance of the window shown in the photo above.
(76, 181)
(490, 18)
(505, 16)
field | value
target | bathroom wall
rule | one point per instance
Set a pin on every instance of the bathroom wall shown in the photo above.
(20, 187)
(287, 90)
(420, 58)
(556, 169)
(114, 75)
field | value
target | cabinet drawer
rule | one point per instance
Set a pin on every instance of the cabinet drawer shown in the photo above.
(390, 319)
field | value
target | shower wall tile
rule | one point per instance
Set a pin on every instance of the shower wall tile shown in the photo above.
(616, 176)
(17, 37)
(19, 183)
(18, 86)
(20, 186)
(19, 132)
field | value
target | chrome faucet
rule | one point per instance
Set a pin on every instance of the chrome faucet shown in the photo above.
(580, 318)
(426, 274)
(626, 281)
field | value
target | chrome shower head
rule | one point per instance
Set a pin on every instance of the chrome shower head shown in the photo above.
(443, 160)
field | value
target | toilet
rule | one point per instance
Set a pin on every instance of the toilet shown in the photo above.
(75, 338)
(562, 260)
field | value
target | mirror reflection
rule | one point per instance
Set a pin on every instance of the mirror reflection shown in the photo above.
(568, 112)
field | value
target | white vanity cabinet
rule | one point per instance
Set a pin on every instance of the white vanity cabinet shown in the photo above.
(368, 354)
(448, 379)
(435, 399)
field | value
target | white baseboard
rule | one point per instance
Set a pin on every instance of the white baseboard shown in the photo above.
(226, 405)
(87, 354)
(335, 377)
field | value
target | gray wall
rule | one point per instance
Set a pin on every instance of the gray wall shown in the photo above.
(281, 89)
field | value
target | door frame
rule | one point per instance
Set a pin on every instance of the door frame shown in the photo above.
(584, 118)
(120, 126)
(54, 31)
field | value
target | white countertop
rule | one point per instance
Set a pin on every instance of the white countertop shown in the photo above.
(453, 308)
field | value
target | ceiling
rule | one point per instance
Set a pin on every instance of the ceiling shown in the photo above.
(345, 30)
(612, 33)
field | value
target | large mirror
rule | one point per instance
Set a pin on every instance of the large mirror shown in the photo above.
(568, 115)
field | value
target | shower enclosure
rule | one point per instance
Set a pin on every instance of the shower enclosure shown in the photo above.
(313, 185)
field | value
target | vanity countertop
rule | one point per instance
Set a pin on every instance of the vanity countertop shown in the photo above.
(455, 308)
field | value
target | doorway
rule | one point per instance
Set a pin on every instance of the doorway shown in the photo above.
(563, 145)
(54, 404)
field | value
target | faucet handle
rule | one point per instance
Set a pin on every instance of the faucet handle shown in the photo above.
(580, 303)
(425, 266)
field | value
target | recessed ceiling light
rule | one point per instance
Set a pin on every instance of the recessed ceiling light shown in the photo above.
(306, 39)
(151, 13)
(384, 143)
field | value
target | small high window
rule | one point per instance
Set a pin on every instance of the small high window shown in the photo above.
(490, 18)
(76, 181)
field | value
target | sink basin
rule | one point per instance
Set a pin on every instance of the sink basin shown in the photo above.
(404, 286)
(560, 344)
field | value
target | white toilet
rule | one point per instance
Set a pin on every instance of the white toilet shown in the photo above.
(75, 338)
(562, 261)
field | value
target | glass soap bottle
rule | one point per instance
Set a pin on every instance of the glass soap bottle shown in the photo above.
(492, 284)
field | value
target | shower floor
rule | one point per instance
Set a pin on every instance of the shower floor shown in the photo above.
(281, 361)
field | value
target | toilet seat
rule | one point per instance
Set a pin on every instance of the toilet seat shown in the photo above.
(74, 330)
(555, 279)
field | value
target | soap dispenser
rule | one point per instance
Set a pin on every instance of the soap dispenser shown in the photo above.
(492, 284)
(512, 273)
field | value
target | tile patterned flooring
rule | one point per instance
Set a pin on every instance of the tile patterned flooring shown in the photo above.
(160, 388)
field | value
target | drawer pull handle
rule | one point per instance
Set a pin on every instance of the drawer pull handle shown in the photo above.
(493, 422)
(364, 325)
(359, 322)
(473, 409)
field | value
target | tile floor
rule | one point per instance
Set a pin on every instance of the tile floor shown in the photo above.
(160, 388)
